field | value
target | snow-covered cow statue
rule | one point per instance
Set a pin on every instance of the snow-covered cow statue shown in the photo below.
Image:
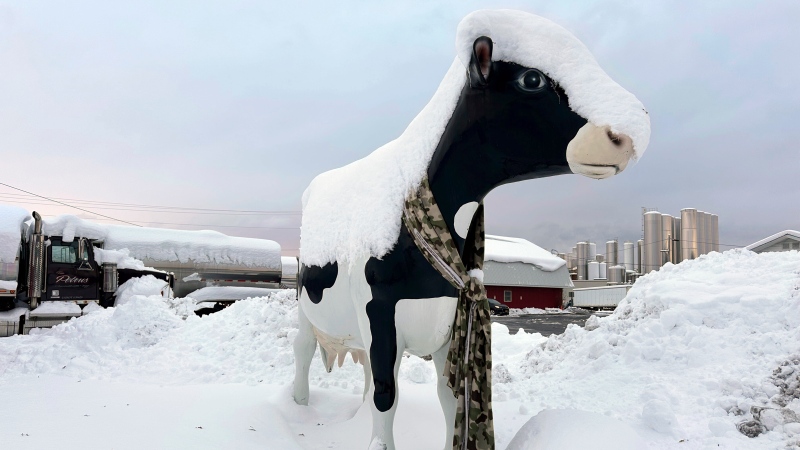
(524, 99)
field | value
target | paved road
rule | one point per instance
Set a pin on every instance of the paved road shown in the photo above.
(546, 324)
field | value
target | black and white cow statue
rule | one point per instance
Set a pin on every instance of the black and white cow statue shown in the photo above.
(524, 99)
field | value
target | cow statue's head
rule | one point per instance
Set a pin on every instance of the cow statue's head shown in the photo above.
(539, 102)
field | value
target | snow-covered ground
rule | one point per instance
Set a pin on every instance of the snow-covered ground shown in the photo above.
(694, 350)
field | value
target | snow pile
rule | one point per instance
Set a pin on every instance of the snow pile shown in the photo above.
(214, 293)
(147, 339)
(122, 258)
(597, 432)
(528, 311)
(509, 249)
(160, 244)
(12, 225)
(353, 212)
(146, 286)
(693, 352)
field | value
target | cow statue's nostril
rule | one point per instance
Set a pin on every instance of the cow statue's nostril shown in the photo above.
(614, 138)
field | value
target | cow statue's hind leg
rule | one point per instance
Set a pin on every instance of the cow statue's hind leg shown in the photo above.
(446, 397)
(304, 346)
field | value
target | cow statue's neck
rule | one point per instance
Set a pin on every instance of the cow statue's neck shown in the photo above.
(484, 146)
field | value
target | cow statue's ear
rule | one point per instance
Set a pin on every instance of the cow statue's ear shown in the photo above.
(480, 66)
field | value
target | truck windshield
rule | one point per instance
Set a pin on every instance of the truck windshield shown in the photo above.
(64, 254)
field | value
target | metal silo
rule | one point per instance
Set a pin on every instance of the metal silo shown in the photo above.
(592, 252)
(715, 232)
(688, 234)
(701, 233)
(653, 241)
(709, 233)
(611, 252)
(627, 255)
(593, 270)
(667, 238)
(639, 250)
(676, 243)
(583, 252)
(604, 270)
(616, 274)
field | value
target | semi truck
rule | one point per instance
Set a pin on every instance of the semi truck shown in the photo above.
(66, 266)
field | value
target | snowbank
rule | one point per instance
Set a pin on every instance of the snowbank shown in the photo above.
(509, 249)
(353, 212)
(160, 244)
(213, 293)
(691, 353)
(12, 219)
(146, 339)
(558, 429)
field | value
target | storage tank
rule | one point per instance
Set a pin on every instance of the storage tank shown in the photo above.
(600, 257)
(592, 252)
(668, 237)
(616, 274)
(639, 251)
(708, 234)
(583, 252)
(627, 255)
(611, 252)
(701, 233)
(676, 243)
(593, 270)
(653, 241)
(715, 232)
(688, 234)
(604, 271)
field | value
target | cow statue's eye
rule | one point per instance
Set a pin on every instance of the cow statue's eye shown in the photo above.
(532, 81)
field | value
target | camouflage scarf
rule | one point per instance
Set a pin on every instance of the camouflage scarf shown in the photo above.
(469, 361)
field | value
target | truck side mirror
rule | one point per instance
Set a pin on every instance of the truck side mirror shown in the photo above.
(83, 255)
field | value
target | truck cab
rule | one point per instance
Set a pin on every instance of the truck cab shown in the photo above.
(71, 272)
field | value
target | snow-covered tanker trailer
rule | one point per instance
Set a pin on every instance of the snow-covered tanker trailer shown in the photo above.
(67, 266)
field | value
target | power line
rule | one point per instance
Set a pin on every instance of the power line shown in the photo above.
(66, 204)
(203, 225)
(141, 207)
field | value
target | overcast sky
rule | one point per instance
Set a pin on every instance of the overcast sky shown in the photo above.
(237, 105)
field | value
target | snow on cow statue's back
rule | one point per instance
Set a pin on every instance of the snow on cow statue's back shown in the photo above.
(524, 99)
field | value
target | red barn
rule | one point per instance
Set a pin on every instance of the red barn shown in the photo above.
(519, 274)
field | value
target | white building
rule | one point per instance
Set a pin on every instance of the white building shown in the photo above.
(784, 241)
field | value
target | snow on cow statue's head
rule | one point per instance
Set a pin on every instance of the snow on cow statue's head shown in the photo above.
(520, 123)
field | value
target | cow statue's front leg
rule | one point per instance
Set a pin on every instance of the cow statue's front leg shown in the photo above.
(446, 397)
(385, 353)
(304, 346)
